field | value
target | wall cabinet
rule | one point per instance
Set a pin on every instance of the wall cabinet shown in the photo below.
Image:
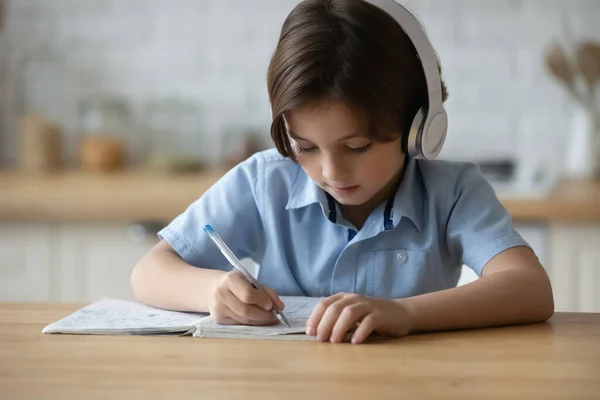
(26, 268)
(97, 261)
(575, 267)
(43, 262)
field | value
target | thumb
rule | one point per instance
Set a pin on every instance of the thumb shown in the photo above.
(274, 298)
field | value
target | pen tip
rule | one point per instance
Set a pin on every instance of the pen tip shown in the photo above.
(284, 320)
(208, 228)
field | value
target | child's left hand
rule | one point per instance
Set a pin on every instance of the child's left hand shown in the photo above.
(337, 314)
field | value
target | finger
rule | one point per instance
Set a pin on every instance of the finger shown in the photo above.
(366, 327)
(244, 291)
(245, 321)
(317, 314)
(249, 312)
(347, 319)
(222, 320)
(331, 316)
(274, 297)
(224, 316)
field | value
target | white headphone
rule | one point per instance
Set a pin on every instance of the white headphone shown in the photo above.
(428, 129)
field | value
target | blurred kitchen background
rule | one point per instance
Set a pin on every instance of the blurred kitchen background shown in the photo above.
(111, 109)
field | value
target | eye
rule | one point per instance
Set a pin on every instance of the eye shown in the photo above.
(299, 149)
(359, 150)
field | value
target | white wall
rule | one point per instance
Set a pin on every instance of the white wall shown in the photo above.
(215, 53)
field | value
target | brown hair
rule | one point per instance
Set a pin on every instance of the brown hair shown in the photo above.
(352, 51)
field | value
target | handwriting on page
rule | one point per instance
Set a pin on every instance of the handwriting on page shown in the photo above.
(297, 311)
(120, 315)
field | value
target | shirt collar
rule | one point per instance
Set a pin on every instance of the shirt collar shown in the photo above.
(305, 192)
(408, 199)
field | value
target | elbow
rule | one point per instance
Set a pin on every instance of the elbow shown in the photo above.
(547, 310)
(534, 296)
(544, 309)
(137, 282)
(134, 281)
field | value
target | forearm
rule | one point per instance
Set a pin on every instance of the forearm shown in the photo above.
(162, 279)
(503, 298)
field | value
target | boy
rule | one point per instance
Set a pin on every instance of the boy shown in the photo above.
(342, 209)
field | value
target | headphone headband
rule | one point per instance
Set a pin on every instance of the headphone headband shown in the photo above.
(426, 137)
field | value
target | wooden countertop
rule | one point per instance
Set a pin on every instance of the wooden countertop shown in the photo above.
(570, 201)
(559, 359)
(134, 196)
(82, 197)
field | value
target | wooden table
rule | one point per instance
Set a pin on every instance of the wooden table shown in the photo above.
(559, 359)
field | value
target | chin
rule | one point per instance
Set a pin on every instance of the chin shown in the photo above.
(350, 203)
(349, 200)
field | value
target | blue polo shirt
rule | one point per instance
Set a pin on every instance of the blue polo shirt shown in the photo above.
(443, 215)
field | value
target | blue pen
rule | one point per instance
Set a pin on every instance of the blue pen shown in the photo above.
(235, 262)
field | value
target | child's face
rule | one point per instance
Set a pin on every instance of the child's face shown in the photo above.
(329, 143)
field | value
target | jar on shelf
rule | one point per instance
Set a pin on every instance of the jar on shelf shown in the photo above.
(174, 129)
(105, 123)
(40, 143)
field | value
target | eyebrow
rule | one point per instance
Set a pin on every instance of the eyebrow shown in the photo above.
(350, 136)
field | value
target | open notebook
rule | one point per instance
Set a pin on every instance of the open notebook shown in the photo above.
(119, 317)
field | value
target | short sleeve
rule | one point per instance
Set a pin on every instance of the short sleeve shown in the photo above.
(230, 207)
(479, 226)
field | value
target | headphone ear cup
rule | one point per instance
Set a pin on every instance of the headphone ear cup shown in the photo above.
(411, 143)
(432, 139)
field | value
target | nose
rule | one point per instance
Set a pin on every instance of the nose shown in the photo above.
(334, 169)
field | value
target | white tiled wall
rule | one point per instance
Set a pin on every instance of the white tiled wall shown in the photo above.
(215, 53)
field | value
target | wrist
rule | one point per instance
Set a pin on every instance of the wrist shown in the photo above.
(407, 311)
(206, 283)
(213, 279)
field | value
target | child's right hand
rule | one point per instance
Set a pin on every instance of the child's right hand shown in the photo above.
(234, 301)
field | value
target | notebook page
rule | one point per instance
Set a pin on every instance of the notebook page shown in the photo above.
(113, 316)
(297, 310)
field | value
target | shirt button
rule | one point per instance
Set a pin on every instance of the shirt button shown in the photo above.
(401, 256)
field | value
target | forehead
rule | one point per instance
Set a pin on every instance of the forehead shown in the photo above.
(325, 119)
